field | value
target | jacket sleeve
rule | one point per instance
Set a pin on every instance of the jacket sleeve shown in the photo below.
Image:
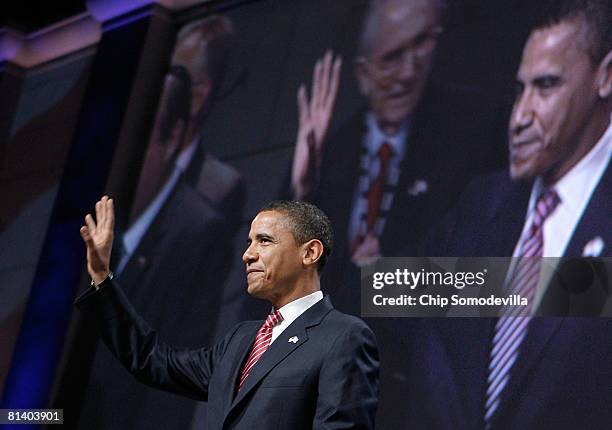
(348, 382)
(128, 336)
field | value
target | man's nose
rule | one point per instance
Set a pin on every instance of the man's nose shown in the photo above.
(407, 69)
(522, 113)
(249, 255)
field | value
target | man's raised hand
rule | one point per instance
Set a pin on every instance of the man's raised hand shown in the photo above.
(99, 239)
(314, 117)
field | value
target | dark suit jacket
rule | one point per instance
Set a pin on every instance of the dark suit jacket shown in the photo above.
(176, 272)
(563, 376)
(328, 379)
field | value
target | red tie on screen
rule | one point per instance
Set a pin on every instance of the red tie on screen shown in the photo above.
(511, 327)
(262, 341)
(376, 191)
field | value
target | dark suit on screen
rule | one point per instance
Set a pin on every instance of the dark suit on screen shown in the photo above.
(563, 376)
(327, 378)
(175, 273)
(219, 183)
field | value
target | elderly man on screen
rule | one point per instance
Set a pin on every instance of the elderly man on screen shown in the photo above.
(398, 164)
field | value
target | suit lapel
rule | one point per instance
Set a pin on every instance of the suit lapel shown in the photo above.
(539, 334)
(511, 214)
(279, 350)
(340, 176)
(143, 256)
(404, 217)
(192, 173)
(507, 220)
(272, 357)
(596, 219)
(346, 172)
(470, 365)
(243, 348)
(140, 260)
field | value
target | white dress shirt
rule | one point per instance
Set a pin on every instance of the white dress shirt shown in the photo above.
(294, 309)
(575, 189)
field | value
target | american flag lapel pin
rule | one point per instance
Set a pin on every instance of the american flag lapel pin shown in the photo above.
(418, 187)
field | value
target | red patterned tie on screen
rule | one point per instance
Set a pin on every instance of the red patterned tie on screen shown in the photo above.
(262, 341)
(376, 191)
(511, 327)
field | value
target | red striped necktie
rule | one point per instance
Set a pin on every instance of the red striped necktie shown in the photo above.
(262, 342)
(376, 190)
(375, 193)
(511, 327)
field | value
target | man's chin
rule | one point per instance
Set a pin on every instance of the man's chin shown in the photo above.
(251, 289)
(394, 119)
(255, 290)
(520, 173)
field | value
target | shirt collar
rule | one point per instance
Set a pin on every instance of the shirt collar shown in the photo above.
(294, 309)
(376, 137)
(575, 181)
(572, 185)
(133, 235)
(185, 156)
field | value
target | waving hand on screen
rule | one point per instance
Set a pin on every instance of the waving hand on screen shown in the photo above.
(314, 118)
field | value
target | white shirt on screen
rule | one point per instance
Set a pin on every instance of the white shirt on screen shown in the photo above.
(575, 189)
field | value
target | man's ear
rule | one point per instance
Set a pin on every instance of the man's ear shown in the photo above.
(604, 77)
(362, 76)
(313, 250)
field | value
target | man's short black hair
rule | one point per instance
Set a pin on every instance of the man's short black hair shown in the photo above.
(307, 222)
(598, 17)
